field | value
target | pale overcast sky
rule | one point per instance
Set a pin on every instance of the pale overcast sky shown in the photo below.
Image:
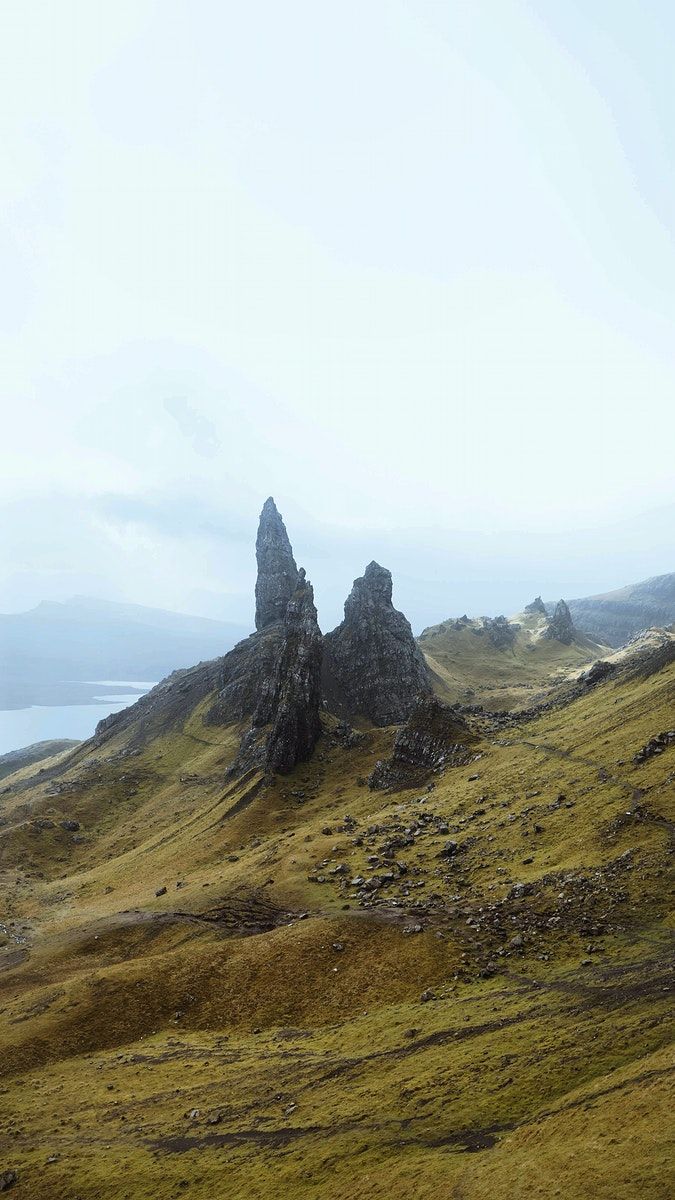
(408, 266)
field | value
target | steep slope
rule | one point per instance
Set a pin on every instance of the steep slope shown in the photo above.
(502, 664)
(306, 988)
(616, 616)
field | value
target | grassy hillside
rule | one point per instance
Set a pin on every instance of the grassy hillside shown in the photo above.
(470, 668)
(460, 993)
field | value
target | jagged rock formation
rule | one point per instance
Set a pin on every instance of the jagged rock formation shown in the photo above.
(277, 572)
(599, 671)
(247, 674)
(502, 633)
(561, 626)
(435, 736)
(372, 665)
(275, 675)
(537, 606)
(286, 722)
(271, 678)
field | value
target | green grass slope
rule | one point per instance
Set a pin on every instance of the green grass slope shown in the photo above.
(458, 993)
(468, 668)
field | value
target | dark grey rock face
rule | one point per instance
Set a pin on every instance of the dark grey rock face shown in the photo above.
(372, 665)
(277, 572)
(561, 626)
(286, 722)
(435, 736)
(599, 671)
(243, 674)
(502, 633)
(537, 606)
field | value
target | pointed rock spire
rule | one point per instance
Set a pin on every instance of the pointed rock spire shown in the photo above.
(561, 626)
(277, 572)
(371, 590)
(537, 606)
(372, 664)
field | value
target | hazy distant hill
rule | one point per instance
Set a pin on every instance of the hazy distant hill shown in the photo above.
(86, 639)
(38, 752)
(616, 616)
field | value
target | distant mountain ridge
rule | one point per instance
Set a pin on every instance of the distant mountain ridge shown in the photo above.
(88, 639)
(613, 617)
(15, 760)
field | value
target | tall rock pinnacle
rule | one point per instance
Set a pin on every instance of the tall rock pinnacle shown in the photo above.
(561, 626)
(293, 702)
(277, 572)
(286, 723)
(372, 664)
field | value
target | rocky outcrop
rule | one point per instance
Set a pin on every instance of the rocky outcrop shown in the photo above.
(561, 627)
(599, 671)
(277, 572)
(537, 607)
(166, 706)
(373, 667)
(272, 682)
(434, 737)
(502, 633)
(231, 685)
(286, 721)
(655, 745)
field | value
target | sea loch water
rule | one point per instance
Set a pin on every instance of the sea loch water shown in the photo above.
(41, 722)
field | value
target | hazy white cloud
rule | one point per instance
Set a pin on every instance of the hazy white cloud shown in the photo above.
(193, 425)
(406, 266)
